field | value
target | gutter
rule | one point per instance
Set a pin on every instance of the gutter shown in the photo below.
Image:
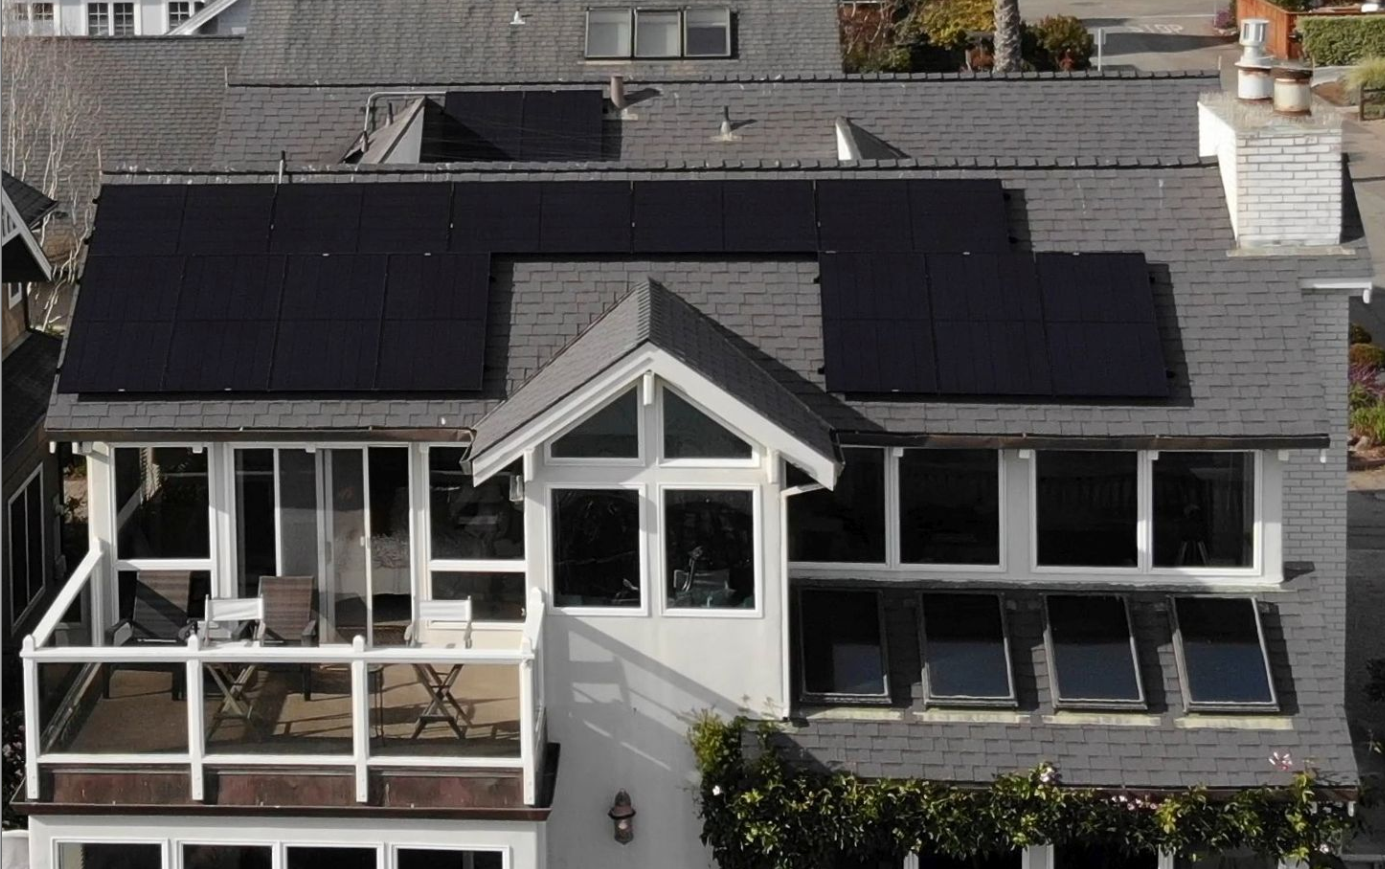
(462, 436)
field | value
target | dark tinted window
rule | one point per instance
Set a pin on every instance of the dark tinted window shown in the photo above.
(1087, 508)
(495, 597)
(1098, 857)
(964, 647)
(691, 434)
(1093, 659)
(1225, 860)
(331, 858)
(848, 523)
(709, 548)
(1223, 658)
(611, 433)
(470, 521)
(438, 858)
(839, 632)
(109, 855)
(949, 502)
(596, 547)
(227, 856)
(161, 499)
(1204, 510)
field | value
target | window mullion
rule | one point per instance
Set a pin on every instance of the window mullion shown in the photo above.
(892, 516)
(1144, 525)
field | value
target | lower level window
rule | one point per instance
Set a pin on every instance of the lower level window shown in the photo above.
(25, 544)
(841, 639)
(596, 548)
(436, 858)
(709, 542)
(495, 597)
(227, 856)
(109, 855)
(327, 857)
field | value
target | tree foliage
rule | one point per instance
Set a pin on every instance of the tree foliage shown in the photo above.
(758, 812)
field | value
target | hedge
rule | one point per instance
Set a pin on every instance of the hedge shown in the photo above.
(1339, 40)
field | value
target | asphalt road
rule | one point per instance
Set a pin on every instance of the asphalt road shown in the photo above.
(1147, 34)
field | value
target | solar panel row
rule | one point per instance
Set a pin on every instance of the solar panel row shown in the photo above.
(1013, 324)
(521, 125)
(279, 323)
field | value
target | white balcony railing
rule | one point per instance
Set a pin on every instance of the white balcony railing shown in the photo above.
(242, 704)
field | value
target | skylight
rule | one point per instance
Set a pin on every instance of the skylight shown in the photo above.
(966, 654)
(1092, 652)
(1221, 650)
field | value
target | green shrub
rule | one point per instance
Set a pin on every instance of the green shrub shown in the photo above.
(1369, 73)
(1369, 355)
(1357, 334)
(1369, 421)
(1339, 40)
(949, 23)
(1065, 42)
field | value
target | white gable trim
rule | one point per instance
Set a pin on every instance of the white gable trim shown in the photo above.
(627, 373)
(210, 11)
(13, 226)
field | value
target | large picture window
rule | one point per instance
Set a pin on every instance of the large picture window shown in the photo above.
(846, 524)
(1087, 508)
(841, 644)
(162, 499)
(110, 855)
(476, 537)
(25, 544)
(709, 548)
(1204, 509)
(949, 507)
(658, 34)
(596, 548)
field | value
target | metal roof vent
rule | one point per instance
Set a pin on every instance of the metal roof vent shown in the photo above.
(1253, 82)
(1293, 92)
(518, 19)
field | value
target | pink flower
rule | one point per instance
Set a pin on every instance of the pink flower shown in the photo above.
(1282, 761)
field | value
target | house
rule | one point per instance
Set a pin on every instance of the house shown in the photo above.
(28, 361)
(105, 18)
(954, 424)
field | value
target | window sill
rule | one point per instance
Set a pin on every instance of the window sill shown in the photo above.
(1107, 717)
(855, 710)
(969, 703)
(1264, 720)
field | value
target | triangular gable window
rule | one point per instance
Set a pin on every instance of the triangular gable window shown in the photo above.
(613, 432)
(691, 434)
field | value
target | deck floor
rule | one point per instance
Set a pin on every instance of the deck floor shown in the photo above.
(141, 716)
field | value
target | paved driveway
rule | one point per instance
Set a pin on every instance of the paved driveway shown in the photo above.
(1147, 34)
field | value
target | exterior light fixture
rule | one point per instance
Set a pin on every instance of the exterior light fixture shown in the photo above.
(622, 814)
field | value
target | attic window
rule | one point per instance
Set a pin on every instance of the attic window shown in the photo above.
(658, 34)
(1221, 652)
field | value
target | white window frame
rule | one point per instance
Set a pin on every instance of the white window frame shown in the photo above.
(215, 496)
(1180, 658)
(932, 701)
(56, 843)
(109, 6)
(14, 294)
(730, 38)
(756, 453)
(194, 7)
(632, 48)
(635, 33)
(757, 536)
(1094, 703)
(645, 533)
(394, 849)
(1144, 525)
(275, 851)
(805, 697)
(587, 35)
(18, 611)
(641, 435)
(893, 567)
(431, 565)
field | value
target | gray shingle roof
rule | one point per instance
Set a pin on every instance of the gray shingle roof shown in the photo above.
(924, 117)
(28, 379)
(412, 42)
(30, 203)
(652, 315)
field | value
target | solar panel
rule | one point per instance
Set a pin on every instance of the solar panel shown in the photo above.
(1099, 317)
(120, 289)
(227, 218)
(316, 218)
(585, 217)
(329, 328)
(1093, 658)
(957, 215)
(435, 323)
(138, 219)
(1222, 652)
(769, 216)
(405, 218)
(677, 217)
(486, 124)
(115, 356)
(863, 216)
(988, 325)
(489, 217)
(562, 125)
(228, 313)
(876, 324)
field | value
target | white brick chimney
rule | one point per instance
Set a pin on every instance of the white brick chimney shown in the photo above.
(1282, 173)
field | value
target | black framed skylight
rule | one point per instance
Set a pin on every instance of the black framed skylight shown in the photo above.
(1091, 652)
(1222, 660)
(966, 653)
(841, 644)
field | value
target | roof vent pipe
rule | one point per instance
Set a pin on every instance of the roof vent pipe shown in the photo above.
(618, 91)
(1293, 94)
(1253, 81)
(726, 122)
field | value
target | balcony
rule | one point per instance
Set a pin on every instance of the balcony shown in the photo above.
(223, 722)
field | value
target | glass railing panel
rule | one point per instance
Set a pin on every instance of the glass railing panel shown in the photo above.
(261, 708)
(128, 707)
(444, 709)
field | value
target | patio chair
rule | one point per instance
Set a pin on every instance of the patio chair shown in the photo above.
(290, 617)
(159, 617)
(442, 705)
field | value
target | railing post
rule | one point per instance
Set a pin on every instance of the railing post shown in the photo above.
(360, 719)
(196, 711)
(33, 737)
(526, 722)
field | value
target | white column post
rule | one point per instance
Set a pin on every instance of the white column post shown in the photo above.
(360, 719)
(33, 738)
(196, 710)
(527, 722)
(101, 509)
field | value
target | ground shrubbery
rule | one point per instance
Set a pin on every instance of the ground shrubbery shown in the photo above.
(1365, 392)
(1340, 40)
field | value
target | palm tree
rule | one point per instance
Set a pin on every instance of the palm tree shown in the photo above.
(1007, 36)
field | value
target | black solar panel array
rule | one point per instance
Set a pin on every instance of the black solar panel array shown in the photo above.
(522, 125)
(1008, 324)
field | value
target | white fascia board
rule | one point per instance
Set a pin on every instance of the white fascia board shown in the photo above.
(625, 374)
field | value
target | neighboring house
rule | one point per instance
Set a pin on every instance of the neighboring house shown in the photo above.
(28, 361)
(125, 17)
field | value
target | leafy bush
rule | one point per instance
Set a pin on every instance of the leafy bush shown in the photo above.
(1064, 42)
(949, 23)
(1357, 334)
(1363, 387)
(1369, 73)
(1369, 422)
(12, 759)
(1369, 355)
(1339, 40)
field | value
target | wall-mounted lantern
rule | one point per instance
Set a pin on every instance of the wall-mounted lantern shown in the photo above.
(622, 814)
